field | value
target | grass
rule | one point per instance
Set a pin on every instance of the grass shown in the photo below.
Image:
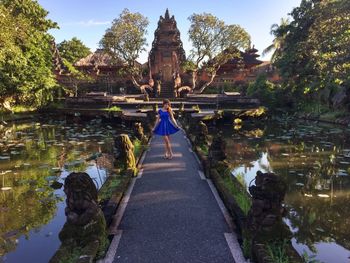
(108, 188)
(138, 147)
(277, 252)
(242, 199)
(247, 248)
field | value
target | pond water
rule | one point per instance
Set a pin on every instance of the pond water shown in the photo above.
(314, 160)
(32, 157)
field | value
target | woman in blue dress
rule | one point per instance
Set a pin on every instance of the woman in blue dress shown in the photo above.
(165, 126)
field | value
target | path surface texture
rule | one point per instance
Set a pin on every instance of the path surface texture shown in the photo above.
(173, 214)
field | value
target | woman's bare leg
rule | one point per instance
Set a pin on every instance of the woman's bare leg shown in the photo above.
(169, 147)
(166, 146)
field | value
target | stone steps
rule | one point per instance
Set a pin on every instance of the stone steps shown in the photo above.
(167, 90)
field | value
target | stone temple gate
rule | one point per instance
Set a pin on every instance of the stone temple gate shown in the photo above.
(166, 55)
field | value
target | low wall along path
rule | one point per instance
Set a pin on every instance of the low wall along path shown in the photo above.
(172, 213)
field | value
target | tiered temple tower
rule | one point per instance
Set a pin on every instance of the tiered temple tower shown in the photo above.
(167, 54)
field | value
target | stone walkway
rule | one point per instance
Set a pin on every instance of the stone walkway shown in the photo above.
(173, 213)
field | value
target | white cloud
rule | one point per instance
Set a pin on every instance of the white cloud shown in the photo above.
(88, 23)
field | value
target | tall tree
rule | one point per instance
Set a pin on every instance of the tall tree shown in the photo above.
(277, 44)
(316, 48)
(73, 50)
(214, 43)
(25, 53)
(125, 40)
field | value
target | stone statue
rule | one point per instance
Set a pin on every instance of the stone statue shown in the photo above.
(139, 132)
(85, 229)
(217, 150)
(158, 88)
(265, 215)
(202, 134)
(125, 153)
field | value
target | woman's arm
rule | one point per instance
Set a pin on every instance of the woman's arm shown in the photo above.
(172, 118)
(157, 121)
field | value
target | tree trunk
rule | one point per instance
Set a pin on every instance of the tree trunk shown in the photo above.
(207, 83)
(134, 81)
(194, 80)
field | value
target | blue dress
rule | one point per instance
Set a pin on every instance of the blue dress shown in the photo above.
(165, 126)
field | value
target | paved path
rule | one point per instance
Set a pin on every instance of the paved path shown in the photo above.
(172, 214)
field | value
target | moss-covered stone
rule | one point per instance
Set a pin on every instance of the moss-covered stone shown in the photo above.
(84, 234)
(125, 153)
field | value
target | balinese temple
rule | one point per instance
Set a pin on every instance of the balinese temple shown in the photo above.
(165, 57)
(167, 53)
(239, 69)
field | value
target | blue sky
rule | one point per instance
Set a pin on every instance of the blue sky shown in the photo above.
(88, 19)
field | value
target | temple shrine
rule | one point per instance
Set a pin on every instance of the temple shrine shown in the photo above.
(164, 66)
(167, 54)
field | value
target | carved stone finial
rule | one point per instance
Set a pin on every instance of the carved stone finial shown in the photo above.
(167, 16)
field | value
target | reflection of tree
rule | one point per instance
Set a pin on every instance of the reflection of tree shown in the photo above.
(316, 219)
(24, 208)
(31, 203)
(304, 155)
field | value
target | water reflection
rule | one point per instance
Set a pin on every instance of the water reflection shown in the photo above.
(32, 157)
(314, 159)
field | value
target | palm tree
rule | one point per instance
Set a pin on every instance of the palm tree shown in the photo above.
(277, 43)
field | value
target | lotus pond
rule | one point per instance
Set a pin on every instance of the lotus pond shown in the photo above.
(35, 157)
(314, 160)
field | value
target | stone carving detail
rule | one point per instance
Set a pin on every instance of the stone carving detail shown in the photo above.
(125, 152)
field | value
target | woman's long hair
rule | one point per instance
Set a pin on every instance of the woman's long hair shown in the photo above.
(166, 101)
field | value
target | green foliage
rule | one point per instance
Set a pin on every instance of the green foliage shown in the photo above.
(76, 77)
(107, 189)
(241, 197)
(214, 43)
(25, 54)
(73, 50)
(114, 109)
(263, 89)
(247, 247)
(277, 252)
(125, 40)
(205, 149)
(138, 147)
(315, 47)
(277, 45)
(309, 258)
